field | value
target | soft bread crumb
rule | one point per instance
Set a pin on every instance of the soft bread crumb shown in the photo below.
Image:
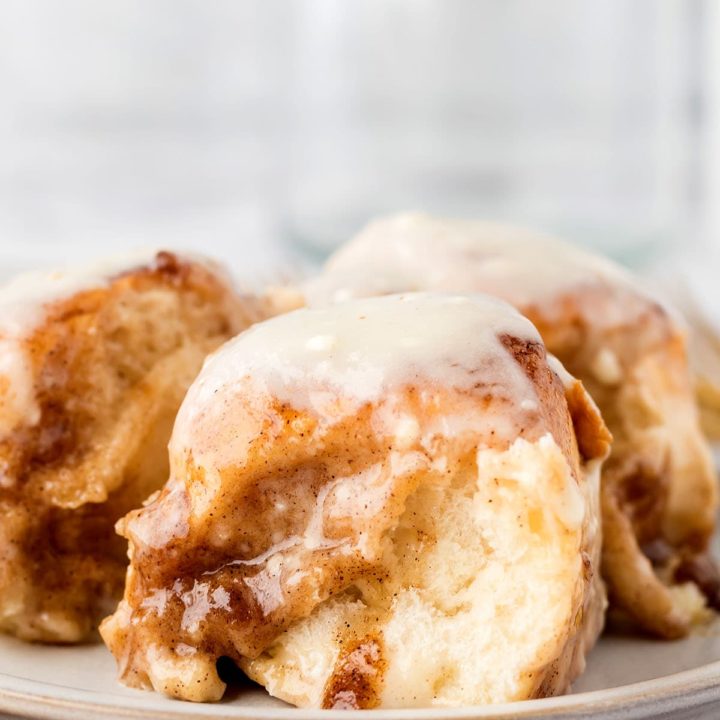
(483, 582)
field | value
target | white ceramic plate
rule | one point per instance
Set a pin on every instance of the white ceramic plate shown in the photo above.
(626, 678)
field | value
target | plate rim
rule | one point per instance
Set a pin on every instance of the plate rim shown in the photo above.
(684, 690)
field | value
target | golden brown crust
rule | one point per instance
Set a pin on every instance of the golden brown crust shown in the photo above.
(593, 437)
(582, 436)
(531, 357)
(659, 484)
(109, 367)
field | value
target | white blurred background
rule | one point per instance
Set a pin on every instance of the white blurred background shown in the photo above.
(261, 130)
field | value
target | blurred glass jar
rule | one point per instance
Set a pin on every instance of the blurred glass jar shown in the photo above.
(573, 116)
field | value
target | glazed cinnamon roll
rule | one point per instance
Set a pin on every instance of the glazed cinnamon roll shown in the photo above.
(93, 367)
(388, 503)
(629, 350)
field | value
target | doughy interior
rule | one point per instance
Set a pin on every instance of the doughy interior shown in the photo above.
(475, 595)
(107, 369)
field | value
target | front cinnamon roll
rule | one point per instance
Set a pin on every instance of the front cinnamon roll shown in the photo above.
(388, 503)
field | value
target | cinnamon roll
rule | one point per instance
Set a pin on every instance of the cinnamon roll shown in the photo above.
(659, 486)
(387, 503)
(93, 366)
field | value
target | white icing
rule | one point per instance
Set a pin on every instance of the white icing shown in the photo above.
(23, 302)
(17, 398)
(362, 349)
(406, 430)
(199, 601)
(23, 299)
(419, 252)
(559, 369)
(606, 367)
(380, 346)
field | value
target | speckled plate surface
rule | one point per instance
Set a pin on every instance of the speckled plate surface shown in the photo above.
(626, 678)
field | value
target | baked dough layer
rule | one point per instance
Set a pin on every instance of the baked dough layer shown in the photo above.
(660, 493)
(92, 370)
(389, 504)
